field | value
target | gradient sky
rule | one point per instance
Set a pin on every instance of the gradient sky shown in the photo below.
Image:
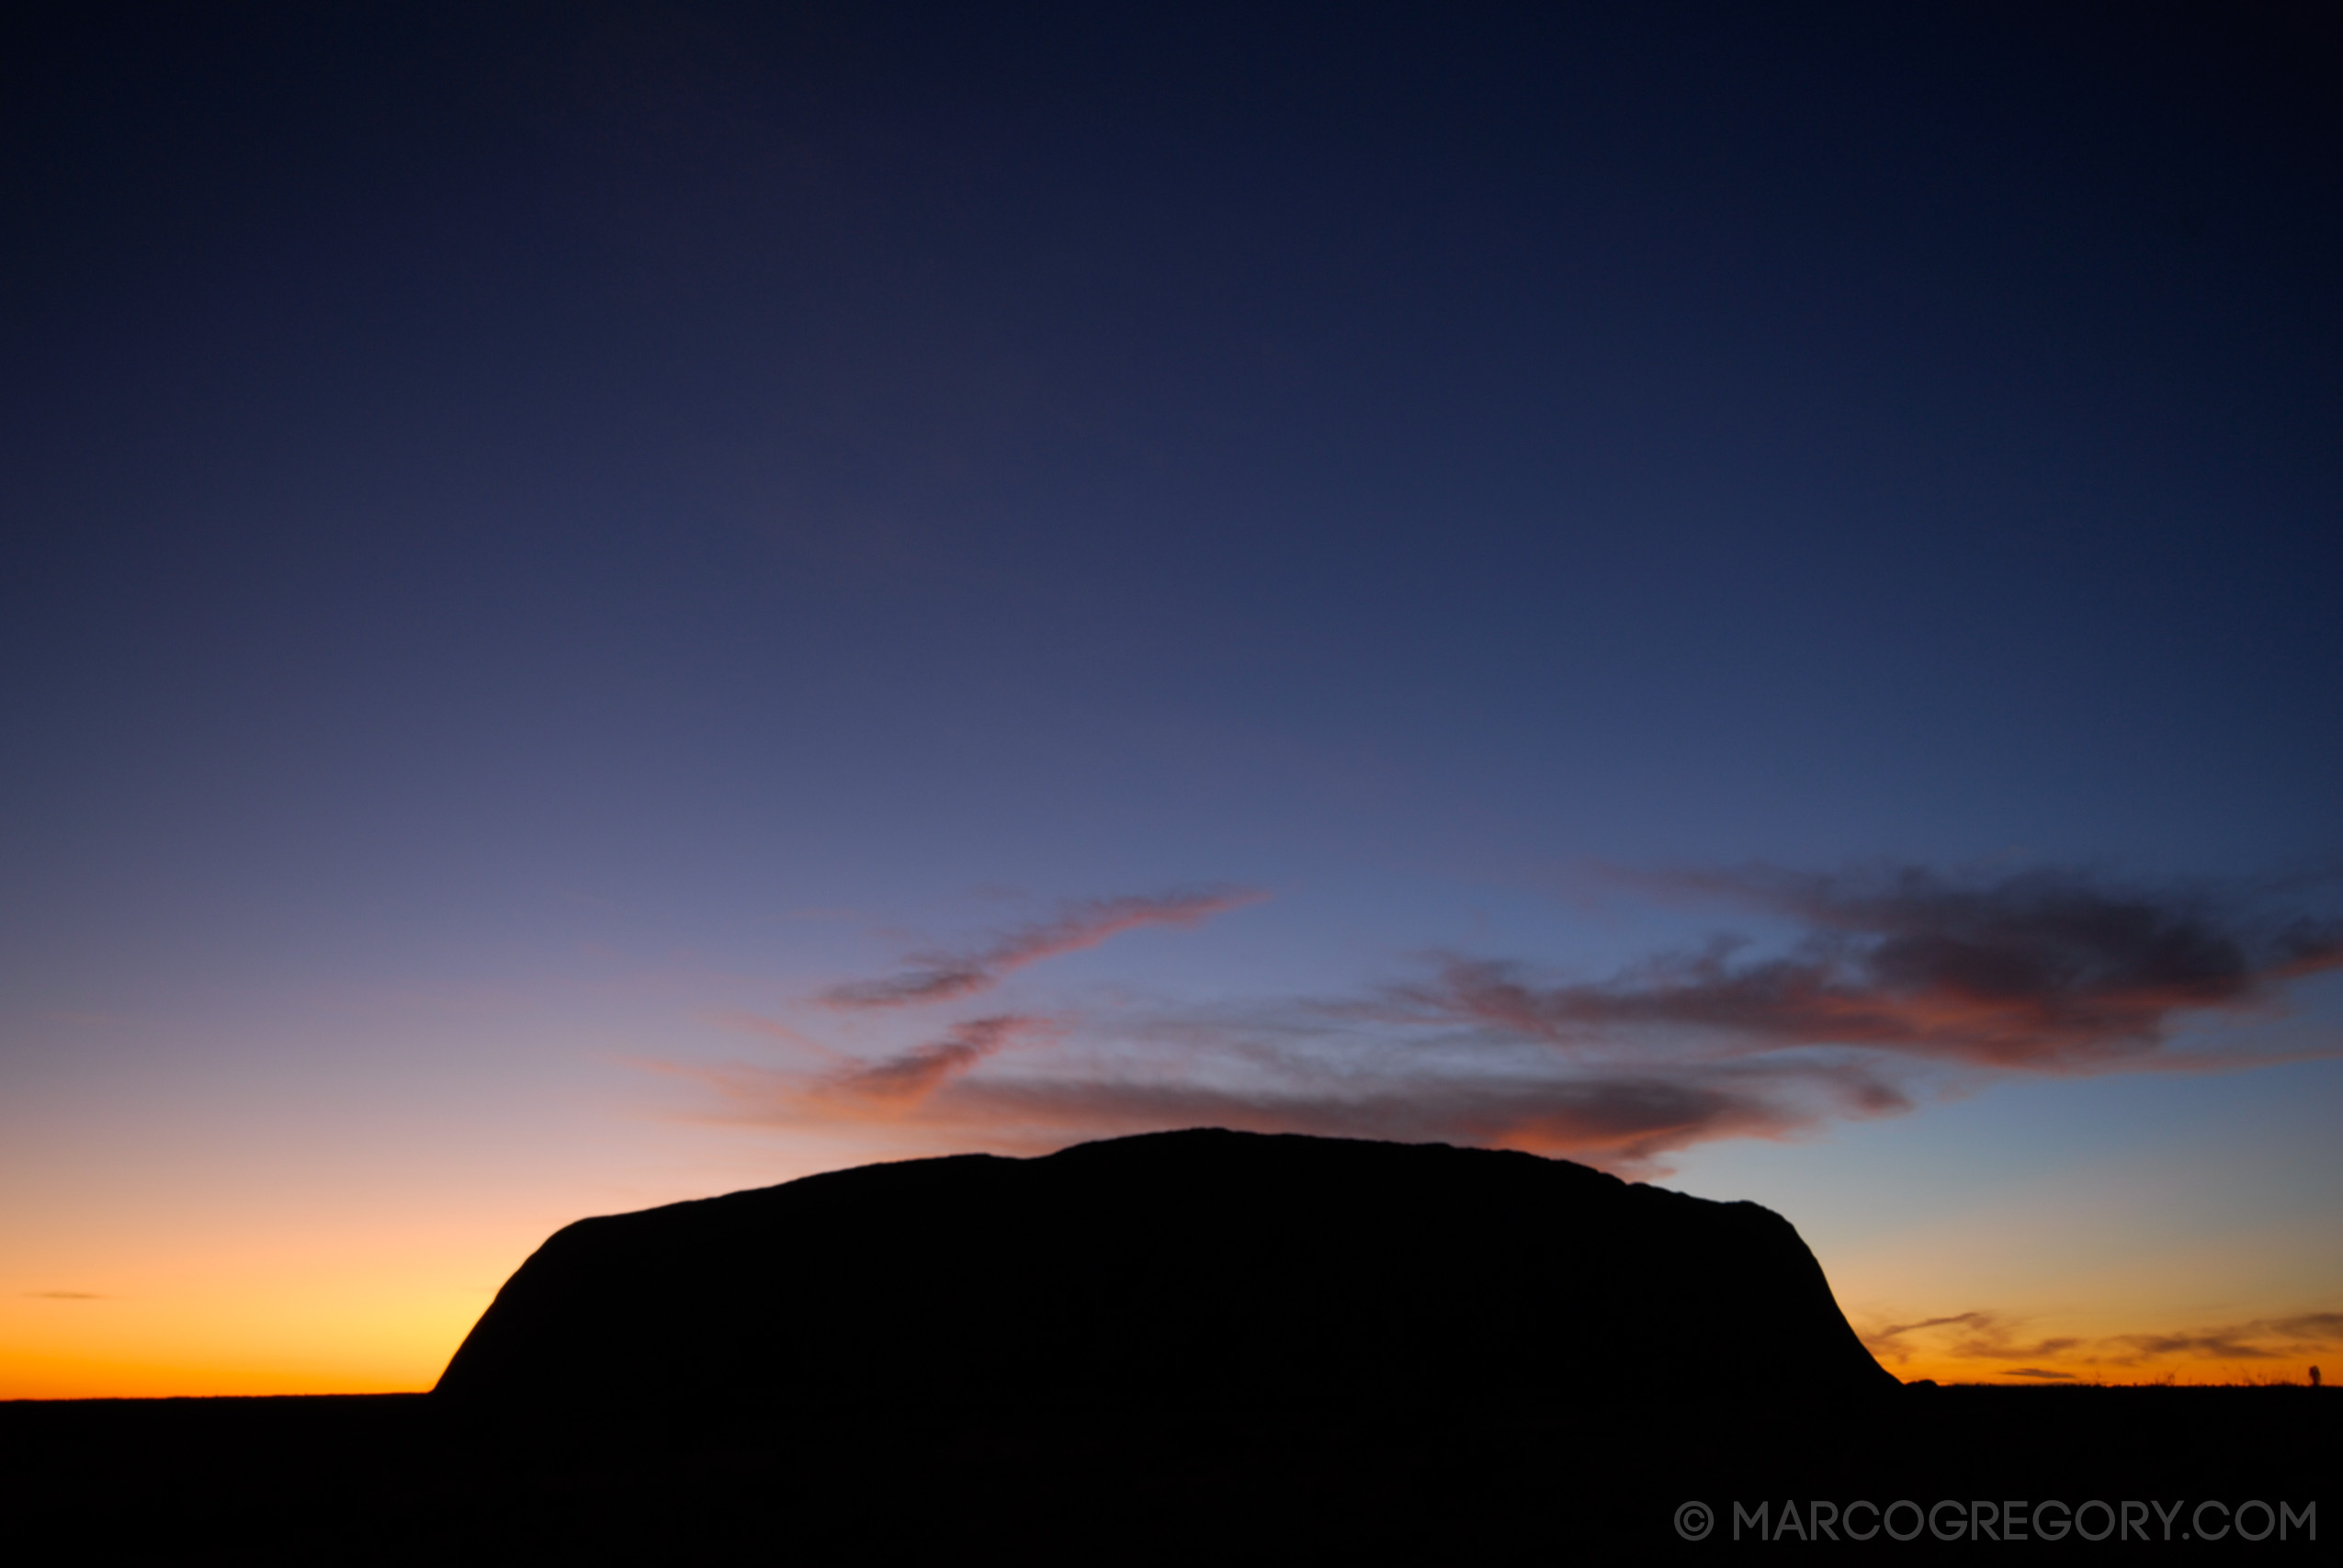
(605, 603)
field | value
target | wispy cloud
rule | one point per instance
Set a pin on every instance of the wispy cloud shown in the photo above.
(1225, 1073)
(65, 1296)
(943, 976)
(2001, 1347)
(886, 1090)
(2264, 1339)
(1885, 988)
(918, 1072)
(1629, 1121)
(1966, 1335)
(2045, 971)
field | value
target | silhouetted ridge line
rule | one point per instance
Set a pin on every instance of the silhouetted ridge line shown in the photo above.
(1174, 1267)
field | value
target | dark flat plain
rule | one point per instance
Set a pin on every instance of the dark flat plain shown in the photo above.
(408, 1477)
(1171, 1347)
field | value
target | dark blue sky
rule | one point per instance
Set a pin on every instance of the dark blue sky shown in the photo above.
(782, 485)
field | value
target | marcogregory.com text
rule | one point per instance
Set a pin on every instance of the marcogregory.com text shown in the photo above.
(2210, 1519)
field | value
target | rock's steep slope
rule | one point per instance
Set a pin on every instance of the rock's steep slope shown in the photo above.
(1178, 1267)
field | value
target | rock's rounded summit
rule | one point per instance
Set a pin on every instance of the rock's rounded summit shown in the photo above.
(1171, 1268)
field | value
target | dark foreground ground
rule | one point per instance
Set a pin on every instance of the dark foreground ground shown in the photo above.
(406, 1478)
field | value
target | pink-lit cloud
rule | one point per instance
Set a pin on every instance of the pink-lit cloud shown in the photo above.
(893, 1088)
(1881, 986)
(2043, 971)
(1617, 1115)
(943, 976)
(918, 1072)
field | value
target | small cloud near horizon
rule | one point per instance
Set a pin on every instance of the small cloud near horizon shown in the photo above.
(66, 1296)
(1992, 1337)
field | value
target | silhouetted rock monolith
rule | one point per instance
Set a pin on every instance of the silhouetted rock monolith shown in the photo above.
(1176, 1269)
